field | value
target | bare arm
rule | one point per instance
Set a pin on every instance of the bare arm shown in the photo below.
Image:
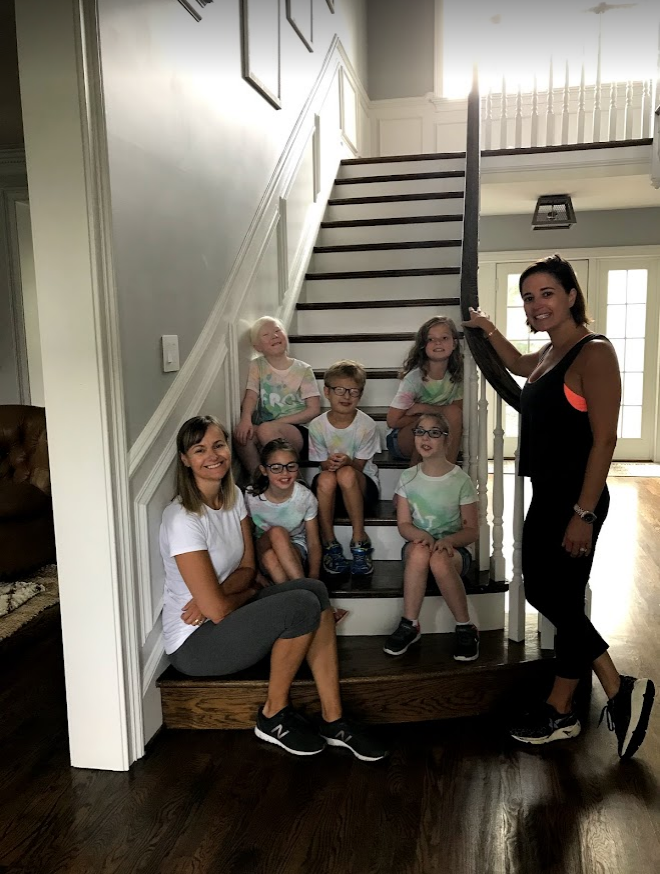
(313, 547)
(470, 530)
(407, 529)
(512, 358)
(311, 411)
(244, 429)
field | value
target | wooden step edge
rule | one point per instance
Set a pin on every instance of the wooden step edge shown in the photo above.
(569, 147)
(378, 304)
(395, 220)
(384, 274)
(385, 247)
(372, 372)
(356, 338)
(358, 593)
(399, 177)
(394, 159)
(397, 198)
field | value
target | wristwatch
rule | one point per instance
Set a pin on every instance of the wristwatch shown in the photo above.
(586, 515)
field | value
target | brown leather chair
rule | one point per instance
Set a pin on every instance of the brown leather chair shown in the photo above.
(27, 539)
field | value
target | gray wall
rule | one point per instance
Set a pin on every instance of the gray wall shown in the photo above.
(401, 48)
(192, 147)
(617, 227)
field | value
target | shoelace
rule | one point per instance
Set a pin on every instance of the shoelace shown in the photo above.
(609, 719)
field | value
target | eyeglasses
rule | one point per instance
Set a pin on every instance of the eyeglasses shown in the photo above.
(291, 467)
(341, 391)
(434, 433)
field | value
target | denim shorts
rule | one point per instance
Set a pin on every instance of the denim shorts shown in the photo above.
(463, 551)
(393, 446)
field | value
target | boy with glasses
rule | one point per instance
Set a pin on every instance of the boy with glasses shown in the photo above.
(344, 440)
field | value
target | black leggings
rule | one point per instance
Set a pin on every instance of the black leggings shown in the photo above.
(555, 583)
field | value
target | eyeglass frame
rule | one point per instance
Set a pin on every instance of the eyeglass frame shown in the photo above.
(341, 391)
(290, 467)
(420, 432)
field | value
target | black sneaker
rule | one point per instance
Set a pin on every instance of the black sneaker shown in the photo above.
(406, 633)
(543, 725)
(628, 713)
(345, 733)
(290, 731)
(466, 646)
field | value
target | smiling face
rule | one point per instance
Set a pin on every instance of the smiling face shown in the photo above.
(440, 343)
(271, 339)
(285, 479)
(426, 445)
(546, 303)
(210, 459)
(343, 403)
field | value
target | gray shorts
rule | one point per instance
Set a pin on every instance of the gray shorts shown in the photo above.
(247, 635)
(463, 551)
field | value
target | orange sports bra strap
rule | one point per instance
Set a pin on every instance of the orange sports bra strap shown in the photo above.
(575, 400)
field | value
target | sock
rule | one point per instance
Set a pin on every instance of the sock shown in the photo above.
(469, 622)
(413, 622)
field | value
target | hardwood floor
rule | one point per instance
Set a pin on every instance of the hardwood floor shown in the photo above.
(455, 796)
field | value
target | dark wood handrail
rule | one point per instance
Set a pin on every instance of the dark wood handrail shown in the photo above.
(489, 363)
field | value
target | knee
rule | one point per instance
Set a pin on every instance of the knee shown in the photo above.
(266, 432)
(441, 563)
(327, 482)
(270, 561)
(418, 555)
(318, 589)
(347, 477)
(279, 536)
(306, 605)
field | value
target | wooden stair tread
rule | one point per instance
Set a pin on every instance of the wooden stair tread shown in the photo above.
(356, 338)
(387, 159)
(381, 459)
(387, 582)
(385, 247)
(379, 304)
(567, 147)
(401, 177)
(384, 274)
(396, 198)
(372, 372)
(395, 220)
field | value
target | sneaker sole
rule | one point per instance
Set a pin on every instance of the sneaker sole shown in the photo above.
(641, 704)
(405, 649)
(333, 742)
(558, 734)
(273, 740)
(458, 658)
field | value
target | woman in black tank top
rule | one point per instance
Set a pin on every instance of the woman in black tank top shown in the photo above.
(570, 407)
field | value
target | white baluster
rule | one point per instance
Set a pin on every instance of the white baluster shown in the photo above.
(597, 96)
(482, 479)
(519, 117)
(547, 631)
(628, 112)
(504, 117)
(535, 114)
(581, 114)
(488, 127)
(647, 109)
(550, 114)
(474, 419)
(565, 112)
(497, 561)
(467, 386)
(613, 112)
(516, 589)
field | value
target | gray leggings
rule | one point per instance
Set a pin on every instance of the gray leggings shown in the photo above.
(247, 635)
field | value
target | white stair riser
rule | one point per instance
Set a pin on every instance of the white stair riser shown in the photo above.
(377, 392)
(381, 288)
(391, 168)
(389, 479)
(393, 233)
(385, 259)
(388, 353)
(400, 186)
(374, 321)
(355, 211)
(374, 616)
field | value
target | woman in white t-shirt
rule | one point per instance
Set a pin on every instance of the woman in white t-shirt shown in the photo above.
(218, 620)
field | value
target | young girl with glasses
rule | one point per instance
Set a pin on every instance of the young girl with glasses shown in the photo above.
(437, 515)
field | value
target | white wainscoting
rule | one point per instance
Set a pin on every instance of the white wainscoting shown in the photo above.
(266, 279)
(416, 125)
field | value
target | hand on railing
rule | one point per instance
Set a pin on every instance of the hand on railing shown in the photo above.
(478, 319)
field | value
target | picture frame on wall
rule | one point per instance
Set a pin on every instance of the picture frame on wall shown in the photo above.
(300, 16)
(331, 5)
(260, 48)
(191, 8)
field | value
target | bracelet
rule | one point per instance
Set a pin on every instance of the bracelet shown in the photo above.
(488, 336)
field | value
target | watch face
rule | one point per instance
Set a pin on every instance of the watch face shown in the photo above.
(589, 517)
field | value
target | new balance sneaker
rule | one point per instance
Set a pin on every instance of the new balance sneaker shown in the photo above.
(289, 730)
(466, 644)
(346, 733)
(406, 633)
(543, 725)
(334, 561)
(362, 564)
(628, 713)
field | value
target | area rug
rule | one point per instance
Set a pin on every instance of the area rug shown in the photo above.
(44, 581)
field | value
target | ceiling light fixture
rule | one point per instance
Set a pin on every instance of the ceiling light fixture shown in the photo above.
(553, 211)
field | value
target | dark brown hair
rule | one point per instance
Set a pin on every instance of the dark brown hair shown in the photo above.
(562, 271)
(259, 482)
(191, 433)
(417, 355)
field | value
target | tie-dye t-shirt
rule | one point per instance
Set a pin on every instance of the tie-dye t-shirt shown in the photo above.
(414, 390)
(436, 501)
(360, 440)
(281, 392)
(291, 515)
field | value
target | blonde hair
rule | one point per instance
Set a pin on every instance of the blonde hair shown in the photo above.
(258, 325)
(346, 369)
(187, 491)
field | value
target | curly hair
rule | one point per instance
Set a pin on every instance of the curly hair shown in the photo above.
(417, 355)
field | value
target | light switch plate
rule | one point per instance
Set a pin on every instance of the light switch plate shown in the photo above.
(170, 352)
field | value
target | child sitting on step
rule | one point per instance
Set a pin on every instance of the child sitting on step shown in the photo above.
(431, 380)
(437, 514)
(281, 396)
(345, 441)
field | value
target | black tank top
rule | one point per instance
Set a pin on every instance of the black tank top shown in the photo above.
(555, 438)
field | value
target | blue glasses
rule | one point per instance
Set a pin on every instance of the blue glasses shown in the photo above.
(434, 433)
(291, 467)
